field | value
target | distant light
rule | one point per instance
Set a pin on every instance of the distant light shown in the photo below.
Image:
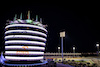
(73, 48)
(58, 47)
(97, 45)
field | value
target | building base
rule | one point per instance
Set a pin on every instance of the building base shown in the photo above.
(2, 62)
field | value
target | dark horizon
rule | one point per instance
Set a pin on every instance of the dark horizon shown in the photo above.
(81, 24)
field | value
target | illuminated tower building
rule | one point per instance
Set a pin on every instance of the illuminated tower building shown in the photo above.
(25, 42)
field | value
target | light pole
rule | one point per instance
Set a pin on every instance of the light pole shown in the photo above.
(74, 51)
(58, 49)
(97, 45)
(62, 34)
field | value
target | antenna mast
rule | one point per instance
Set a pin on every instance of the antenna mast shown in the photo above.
(28, 14)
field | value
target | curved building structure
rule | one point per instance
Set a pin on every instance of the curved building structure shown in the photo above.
(25, 42)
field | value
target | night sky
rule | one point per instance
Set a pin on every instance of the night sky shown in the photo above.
(80, 22)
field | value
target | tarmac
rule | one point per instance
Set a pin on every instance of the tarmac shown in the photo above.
(63, 65)
(57, 65)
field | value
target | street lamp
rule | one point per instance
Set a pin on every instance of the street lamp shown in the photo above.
(97, 45)
(58, 49)
(74, 51)
(62, 34)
